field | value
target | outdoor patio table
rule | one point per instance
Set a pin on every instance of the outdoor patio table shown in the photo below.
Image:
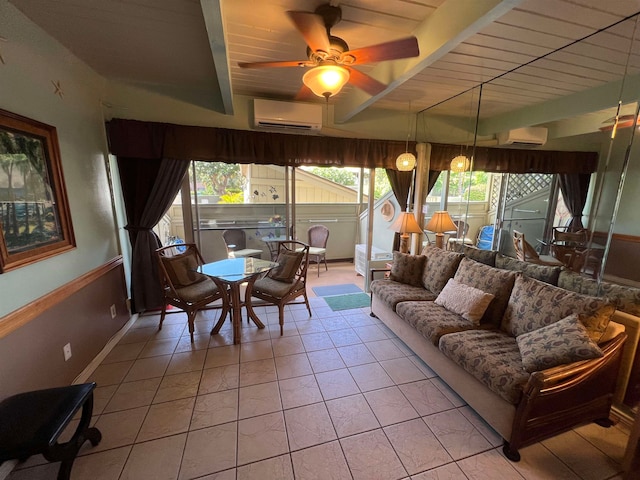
(234, 272)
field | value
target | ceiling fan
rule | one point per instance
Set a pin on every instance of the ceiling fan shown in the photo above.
(330, 59)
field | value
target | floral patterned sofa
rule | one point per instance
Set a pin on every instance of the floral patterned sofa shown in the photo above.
(531, 358)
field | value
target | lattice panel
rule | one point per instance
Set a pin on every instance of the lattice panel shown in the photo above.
(525, 184)
(494, 195)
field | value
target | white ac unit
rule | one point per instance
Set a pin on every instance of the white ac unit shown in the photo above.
(273, 115)
(524, 137)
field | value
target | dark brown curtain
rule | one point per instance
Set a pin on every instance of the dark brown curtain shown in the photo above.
(148, 186)
(513, 160)
(574, 188)
(431, 181)
(400, 184)
(130, 138)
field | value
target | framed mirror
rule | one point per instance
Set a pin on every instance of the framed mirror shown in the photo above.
(35, 222)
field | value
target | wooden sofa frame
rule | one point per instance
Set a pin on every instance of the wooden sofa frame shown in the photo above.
(553, 401)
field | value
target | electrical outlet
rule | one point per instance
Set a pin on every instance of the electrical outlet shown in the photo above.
(67, 351)
(113, 310)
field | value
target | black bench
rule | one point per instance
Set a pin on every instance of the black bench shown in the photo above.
(31, 422)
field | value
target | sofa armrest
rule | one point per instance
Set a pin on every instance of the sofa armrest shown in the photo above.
(373, 271)
(551, 377)
(559, 398)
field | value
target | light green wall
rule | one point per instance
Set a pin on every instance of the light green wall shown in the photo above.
(627, 221)
(33, 60)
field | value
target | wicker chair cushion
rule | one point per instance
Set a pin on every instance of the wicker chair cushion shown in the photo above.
(199, 290)
(271, 287)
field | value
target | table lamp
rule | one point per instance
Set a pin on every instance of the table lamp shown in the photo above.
(440, 222)
(404, 225)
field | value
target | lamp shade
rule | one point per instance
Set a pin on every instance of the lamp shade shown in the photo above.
(441, 222)
(406, 162)
(406, 223)
(459, 164)
(326, 80)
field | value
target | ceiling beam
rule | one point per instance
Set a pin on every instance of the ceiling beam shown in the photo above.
(213, 19)
(593, 100)
(449, 25)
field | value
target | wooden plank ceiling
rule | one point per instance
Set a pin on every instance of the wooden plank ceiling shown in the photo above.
(189, 49)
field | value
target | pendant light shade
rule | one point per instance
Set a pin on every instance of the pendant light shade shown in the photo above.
(406, 162)
(460, 164)
(326, 80)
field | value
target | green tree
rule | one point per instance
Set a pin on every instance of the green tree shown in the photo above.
(341, 176)
(217, 177)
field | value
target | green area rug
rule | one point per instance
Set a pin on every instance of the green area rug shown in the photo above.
(348, 301)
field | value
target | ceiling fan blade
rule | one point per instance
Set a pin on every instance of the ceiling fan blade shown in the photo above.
(365, 82)
(403, 48)
(286, 63)
(312, 28)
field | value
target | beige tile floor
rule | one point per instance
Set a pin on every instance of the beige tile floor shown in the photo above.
(337, 397)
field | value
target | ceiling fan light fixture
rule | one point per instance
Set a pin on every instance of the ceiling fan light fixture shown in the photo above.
(406, 162)
(326, 80)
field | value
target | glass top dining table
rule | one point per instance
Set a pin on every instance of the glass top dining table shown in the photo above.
(234, 272)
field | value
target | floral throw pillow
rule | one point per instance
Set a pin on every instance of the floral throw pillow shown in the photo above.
(288, 263)
(565, 341)
(407, 268)
(466, 301)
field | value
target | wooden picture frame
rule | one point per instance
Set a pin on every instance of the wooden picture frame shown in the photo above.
(35, 222)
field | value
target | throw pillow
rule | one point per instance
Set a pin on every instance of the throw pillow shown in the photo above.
(182, 269)
(469, 302)
(407, 268)
(439, 267)
(565, 341)
(288, 264)
(544, 273)
(534, 304)
(492, 280)
(598, 322)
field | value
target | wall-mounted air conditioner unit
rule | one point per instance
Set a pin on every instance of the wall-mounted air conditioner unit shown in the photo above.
(524, 137)
(300, 117)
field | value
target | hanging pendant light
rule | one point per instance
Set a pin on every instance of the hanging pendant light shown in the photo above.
(460, 164)
(406, 161)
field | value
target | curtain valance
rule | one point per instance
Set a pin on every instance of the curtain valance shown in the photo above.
(138, 139)
(132, 138)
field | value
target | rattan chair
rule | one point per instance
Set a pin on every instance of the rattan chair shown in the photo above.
(183, 286)
(236, 241)
(284, 284)
(318, 236)
(526, 253)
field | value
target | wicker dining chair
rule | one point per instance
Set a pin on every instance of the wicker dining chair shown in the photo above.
(284, 284)
(318, 236)
(183, 286)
